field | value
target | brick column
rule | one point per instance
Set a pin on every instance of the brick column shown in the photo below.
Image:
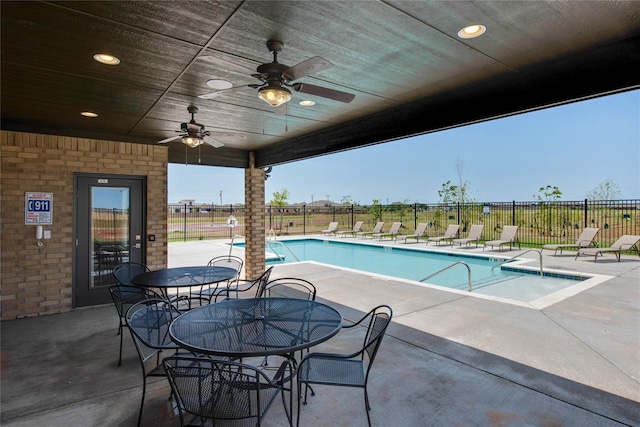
(254, 219)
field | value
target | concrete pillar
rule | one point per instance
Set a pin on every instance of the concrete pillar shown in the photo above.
(254, 219)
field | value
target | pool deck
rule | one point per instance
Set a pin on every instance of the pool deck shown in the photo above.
(448, 358)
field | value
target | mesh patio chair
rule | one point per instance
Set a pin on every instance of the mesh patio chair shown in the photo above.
(288, 287)
(346, 370)
(148, 322)
(208, 292)
(216, 390)
(124, 272)
(242, 286)
(123, 298)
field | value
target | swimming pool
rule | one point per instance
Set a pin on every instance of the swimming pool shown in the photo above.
(488, 276)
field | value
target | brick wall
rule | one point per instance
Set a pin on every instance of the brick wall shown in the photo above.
(36, 281)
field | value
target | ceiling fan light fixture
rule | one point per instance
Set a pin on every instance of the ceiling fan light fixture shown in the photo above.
(274, 95)
(192, 141)
(472, 31)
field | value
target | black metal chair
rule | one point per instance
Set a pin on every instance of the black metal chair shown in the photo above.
(346, 370)
(242, 286)
(216, 390)
(148, 322)
(124, 272)
(123, 298)
(209, 292)
(289, 287)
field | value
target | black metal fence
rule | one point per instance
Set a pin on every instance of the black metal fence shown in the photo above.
(539, 222)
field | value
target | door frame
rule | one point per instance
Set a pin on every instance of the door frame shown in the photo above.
(77, 233)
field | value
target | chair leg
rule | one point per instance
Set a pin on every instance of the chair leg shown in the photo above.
(120, 356)
(367, 406)
(144, 390)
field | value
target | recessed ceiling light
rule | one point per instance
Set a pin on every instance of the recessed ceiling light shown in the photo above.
(88, 114)
(104, 58)
(307, 103)
(472, 31)
(219, 84)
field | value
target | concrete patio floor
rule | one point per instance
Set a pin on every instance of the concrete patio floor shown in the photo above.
(449, 359)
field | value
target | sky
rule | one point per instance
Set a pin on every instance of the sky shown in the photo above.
(574, 147)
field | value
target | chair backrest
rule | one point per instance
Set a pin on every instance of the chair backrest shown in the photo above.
(262, 281)
(509, 233)
(395, 227)
(475, 232)
(333, 226)
(380, 319)
(149, 322)
(290, 287)
(230, 261)
(222, 390)
(452, 230)
(587, 236)
(357, 226)
(420, 229)
(378, 227)
(625, 242)
(124, 272)
(126, 296)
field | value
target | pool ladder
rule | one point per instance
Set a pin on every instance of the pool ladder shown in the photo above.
(277, 242)
(519, 255)
(451, 266)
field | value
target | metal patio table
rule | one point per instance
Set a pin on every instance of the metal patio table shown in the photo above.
(251, 327)
(180, 277)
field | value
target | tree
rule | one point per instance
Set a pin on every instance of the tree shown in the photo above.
(605, 190)
(548, 194)
(460, 194)
(280, 199)
(376, 210)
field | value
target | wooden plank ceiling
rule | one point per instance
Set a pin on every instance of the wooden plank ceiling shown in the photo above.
(409, 71)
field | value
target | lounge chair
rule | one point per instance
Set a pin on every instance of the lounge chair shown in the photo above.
(377, 229)
(421, 231)
(584, 241)
(356, 229)
(449, 234)
(392, 233)
(474, 236)
(508, 235)
(624, 243)
(333, 229)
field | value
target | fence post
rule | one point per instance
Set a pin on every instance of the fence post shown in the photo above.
(270, 219)
(586, 213)
(334, 213)
(352, 216)
(458, 214)
(184, 234)
(415, 216)
(513, 213)
(304, 220)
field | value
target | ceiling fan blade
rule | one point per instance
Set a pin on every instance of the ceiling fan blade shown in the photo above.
(164, 141)
(214, 143)
(217, 93)
(227, 65)
(305, 68)
(324, 92)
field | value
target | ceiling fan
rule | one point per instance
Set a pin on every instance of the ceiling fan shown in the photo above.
(193, 134)
(277, 79)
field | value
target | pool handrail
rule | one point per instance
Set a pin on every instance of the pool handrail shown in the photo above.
(447, 268)
(281, 257)
(519, 255)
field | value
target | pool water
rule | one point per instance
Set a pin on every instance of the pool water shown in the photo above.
(487, 276)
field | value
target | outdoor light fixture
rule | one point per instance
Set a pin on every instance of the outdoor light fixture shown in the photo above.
(274, 95)
(192, 141)
(88, 114)
(307, 103)
(107, 59)
(472, 31)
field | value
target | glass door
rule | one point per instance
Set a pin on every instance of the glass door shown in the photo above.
(109, 217)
